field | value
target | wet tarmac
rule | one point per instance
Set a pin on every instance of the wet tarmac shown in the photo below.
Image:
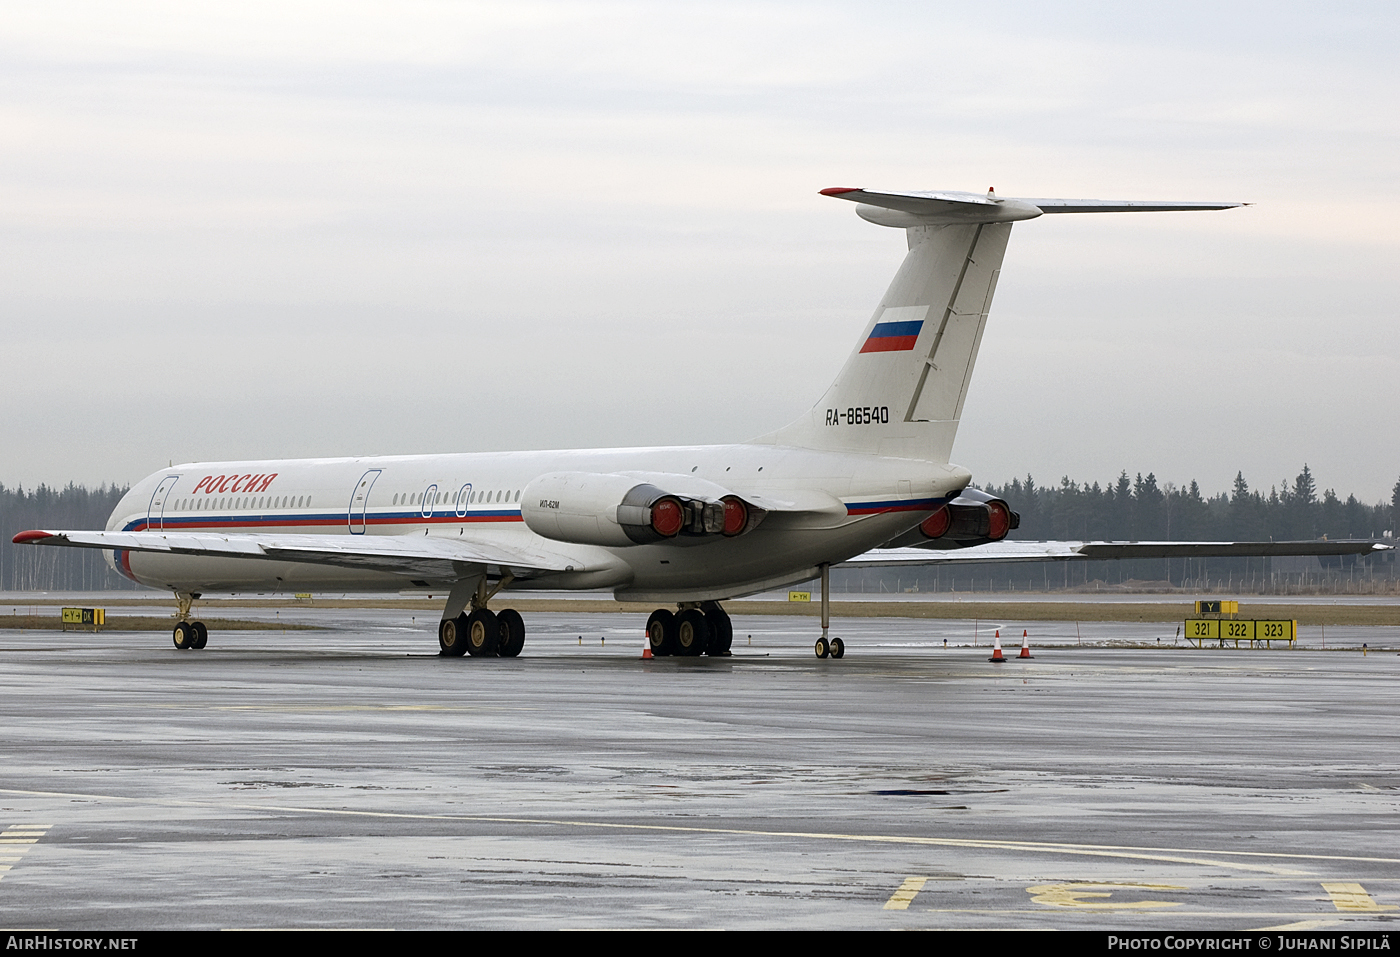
(352, 778)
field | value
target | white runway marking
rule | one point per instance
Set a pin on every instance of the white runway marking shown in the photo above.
(1165, 855)
(15, 841)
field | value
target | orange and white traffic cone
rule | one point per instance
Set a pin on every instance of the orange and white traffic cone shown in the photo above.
(996, 649)
(1025, 645)
(646, 646)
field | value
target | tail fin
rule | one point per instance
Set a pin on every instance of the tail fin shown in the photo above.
(901, 391)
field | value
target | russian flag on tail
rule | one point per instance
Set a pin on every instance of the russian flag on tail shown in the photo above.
(893, 336)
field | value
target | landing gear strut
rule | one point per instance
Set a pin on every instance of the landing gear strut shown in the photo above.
(697, 629)
(476, 630)
(188, 634)
(834, 647)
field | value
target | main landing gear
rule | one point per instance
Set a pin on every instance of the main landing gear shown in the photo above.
(482, 633)
(698, 628)
(478, 631)
(189, 635)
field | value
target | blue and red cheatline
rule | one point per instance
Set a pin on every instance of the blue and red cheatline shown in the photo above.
(894, 505)
(893, 336)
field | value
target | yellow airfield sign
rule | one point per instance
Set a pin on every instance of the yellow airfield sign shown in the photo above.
(85, 616)
(1237, 630)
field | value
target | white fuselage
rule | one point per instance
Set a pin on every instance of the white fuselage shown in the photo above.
(828, 506)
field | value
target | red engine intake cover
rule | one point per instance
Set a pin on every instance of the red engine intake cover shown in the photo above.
(999, 520)
(736, 516)
(667, 517)
(937, 524)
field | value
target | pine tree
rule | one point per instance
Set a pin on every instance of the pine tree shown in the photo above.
(1303, 506)
(1151, 523)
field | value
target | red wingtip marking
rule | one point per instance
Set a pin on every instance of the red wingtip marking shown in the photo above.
(24, 538)
(838, 190)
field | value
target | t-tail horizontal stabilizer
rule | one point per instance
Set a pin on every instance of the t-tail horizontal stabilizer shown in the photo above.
(947, 207)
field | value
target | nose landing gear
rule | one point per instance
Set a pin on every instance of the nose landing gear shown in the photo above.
(834, 647)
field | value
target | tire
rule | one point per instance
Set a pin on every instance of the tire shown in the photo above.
(823, 649)
(661, 633)
(692, 633)
(201, 635)
(483, 634)
(184, 635)
(452, 636)
(838, 648)
(512, 639)
(721, 632)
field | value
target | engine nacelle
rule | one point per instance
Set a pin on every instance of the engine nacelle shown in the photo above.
(974, 517)
(597, 508)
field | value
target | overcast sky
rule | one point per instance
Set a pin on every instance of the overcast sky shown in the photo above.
(292, 229)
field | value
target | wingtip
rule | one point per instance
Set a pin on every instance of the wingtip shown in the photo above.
(27, 538)
(838, 190)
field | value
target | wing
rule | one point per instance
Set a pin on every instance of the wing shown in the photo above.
(416, 556)
(1005, 551)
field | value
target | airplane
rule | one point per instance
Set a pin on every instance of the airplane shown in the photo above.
(864, 477)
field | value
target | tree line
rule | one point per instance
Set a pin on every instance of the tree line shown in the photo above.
(35, 568)
(1141, 510)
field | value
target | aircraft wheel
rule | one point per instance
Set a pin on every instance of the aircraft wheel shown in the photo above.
(823, 649)
(661, 633)
(452, 636)
(483, 633)
(512, 633)
(201, 635)
(721, 632)
(692, 633)
(184, 635)
(838, 648)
